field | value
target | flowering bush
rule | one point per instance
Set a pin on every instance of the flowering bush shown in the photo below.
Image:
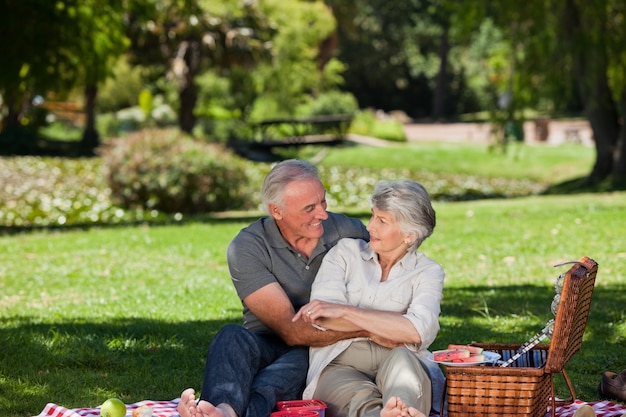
(40, 191)
(168, 171)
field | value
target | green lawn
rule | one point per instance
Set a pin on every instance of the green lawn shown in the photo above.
(128, 311)
(537, 163)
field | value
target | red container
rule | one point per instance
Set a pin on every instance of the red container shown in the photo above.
(318, 406)
(296, 412)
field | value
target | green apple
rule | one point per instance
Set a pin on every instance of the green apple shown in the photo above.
(113, 407)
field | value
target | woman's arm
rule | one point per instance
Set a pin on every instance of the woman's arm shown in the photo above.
(386, 325)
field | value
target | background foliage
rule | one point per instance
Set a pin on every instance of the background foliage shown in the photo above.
(43, 191)
(210, 66)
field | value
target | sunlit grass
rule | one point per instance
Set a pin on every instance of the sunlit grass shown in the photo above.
(128, 311)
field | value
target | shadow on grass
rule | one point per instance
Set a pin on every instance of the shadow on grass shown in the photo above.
(210, 218)
(246, 217)
(79, 363)
(585, 185)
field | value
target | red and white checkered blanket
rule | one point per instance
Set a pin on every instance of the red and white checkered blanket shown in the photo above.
(160, 409)
(168, 409)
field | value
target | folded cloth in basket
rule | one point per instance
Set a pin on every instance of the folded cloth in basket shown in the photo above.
(168, 409)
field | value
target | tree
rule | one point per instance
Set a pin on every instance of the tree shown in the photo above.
(300, 67)
(575, 42)
(400, 58)
(55, 47)
(378, 44)
(190, 36)
(593, 34)
(37, 58)
(100, 41)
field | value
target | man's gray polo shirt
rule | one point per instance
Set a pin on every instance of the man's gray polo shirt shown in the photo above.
(259, 256)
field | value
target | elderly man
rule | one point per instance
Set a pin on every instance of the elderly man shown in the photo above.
(272, 263)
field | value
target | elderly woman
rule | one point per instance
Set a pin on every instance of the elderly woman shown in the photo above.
(392, 291)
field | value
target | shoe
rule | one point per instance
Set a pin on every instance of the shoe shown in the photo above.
(613, 386)
(584, 411)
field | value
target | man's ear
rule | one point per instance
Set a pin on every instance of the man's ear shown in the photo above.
(275, 212)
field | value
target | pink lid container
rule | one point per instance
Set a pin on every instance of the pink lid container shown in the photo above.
(318, 406)
(296, 412)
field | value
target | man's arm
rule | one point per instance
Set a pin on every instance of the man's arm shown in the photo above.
(272, 306)
(387, 328)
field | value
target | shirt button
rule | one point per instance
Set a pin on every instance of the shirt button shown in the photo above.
(307, 267)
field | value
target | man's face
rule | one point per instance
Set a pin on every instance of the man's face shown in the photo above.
(303, 210)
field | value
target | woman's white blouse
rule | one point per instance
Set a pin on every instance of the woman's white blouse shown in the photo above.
(350, 274)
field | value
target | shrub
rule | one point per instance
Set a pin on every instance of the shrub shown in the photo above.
(333, 102)
(389, 130)
(165, 170)
(367, 123)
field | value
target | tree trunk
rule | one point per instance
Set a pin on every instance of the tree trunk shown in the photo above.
(327, 49)
(602, 115)
(590, 70)
(619, 169)
(188, 93)
(188, 97)
(12, 117)
(91, 139)
(440, 96)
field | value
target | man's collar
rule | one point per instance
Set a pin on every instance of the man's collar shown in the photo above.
(277, 240)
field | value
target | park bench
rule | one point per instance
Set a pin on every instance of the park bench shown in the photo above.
(67, 112)
(325, 129)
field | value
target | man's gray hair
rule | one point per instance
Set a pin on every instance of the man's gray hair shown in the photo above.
(409, 203)
(284, 173)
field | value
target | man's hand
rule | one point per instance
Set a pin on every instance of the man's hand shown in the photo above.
(272, 306)
(385, 328)
(385, 342)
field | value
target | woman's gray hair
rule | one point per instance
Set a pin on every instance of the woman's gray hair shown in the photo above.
(409, 203)
(284, 173)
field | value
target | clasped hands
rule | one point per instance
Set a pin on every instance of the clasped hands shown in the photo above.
(325, 314)
(331, 316)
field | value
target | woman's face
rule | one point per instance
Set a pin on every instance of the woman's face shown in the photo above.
(385, 234)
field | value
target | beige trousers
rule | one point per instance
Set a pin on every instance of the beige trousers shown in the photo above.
(361, 380)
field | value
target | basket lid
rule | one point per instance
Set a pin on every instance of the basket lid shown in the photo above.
(572, 313)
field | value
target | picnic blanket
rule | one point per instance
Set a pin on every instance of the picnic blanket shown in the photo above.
(168, 409)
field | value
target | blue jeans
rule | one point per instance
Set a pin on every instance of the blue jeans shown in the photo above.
(251, 371)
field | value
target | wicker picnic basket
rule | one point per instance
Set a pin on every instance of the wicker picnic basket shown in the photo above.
(526, 388)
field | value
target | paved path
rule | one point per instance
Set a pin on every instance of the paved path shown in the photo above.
(558, 132)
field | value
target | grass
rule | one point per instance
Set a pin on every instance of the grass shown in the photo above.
(128, 311)
(542, 164)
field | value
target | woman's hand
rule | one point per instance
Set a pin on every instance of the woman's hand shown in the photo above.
(326, 315)
(317, 309)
